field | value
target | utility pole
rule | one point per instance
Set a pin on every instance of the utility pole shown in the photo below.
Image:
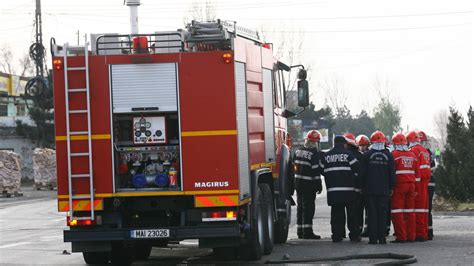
(37, 49)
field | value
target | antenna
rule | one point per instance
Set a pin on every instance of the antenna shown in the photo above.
(133, 4)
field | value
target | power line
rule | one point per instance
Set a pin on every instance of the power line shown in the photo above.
(376, 16)
(17, 28)
(380, 29)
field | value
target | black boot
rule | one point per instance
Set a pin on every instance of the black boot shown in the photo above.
(365, 233)
(311, 236)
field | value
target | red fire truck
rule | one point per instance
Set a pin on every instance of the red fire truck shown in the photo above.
(170, 136)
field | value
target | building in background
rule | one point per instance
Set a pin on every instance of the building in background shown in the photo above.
(12, 103)
(12, 108)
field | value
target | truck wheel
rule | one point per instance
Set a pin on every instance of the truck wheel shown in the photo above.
(142, 251)
(269, 218)
(253, 249)
(282, 226)
(96, 257)
(122, 254)
(225, 253)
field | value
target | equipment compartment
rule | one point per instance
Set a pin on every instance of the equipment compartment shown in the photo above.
(147, 152)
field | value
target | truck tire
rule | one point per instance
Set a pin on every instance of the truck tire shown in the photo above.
(142, 251)
(282, 226)
(225, 253)
(253, 248)
(122, 254)
(269, 218)
(96, 257)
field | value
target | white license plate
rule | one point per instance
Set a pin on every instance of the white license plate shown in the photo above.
(150, 233)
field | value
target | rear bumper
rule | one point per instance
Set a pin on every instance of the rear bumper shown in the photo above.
(176, 233)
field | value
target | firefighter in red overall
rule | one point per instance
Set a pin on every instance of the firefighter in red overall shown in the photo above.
(421, 185)
(307, 183)
(403, 198)
(431, 184)
(363, 142)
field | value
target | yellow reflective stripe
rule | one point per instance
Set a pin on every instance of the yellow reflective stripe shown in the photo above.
(262, 165)
(98, 195)
(245, 201)
(154, 193)
(84, 137)
(80, 205)
(216, 201)
(211, 192)
(208, 133)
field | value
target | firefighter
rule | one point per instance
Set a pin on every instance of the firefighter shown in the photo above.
(403, 198)
(378, 178)
(363, 142)
(307, 183)
(389, 147)
(340, 169)
(352, 146)
(431, 184)
(421, 185)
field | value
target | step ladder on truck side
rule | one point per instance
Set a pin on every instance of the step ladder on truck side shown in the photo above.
(71, 92)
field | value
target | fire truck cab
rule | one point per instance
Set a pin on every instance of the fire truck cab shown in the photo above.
(170, 136)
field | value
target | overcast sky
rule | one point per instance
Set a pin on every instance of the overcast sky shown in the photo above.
(423, 47)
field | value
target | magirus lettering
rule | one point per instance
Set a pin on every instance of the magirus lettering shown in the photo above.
(211, 184)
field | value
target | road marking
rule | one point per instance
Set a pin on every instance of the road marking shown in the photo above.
(15, 244)
(57, 220)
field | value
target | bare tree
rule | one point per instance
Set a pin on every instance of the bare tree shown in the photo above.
(288, 47)
(26, 66)
(384, 89)
(201, 11)
(335, 90)
(387, 113)
(441, 120)
(6, 59)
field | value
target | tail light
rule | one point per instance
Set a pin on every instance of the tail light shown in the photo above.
(58, 64)
(81, 222)
(227, 58)
(219, 216)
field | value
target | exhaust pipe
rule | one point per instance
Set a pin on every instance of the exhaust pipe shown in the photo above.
(133, 4)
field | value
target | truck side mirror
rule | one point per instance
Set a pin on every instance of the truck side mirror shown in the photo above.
(302, 74)
(303, 93)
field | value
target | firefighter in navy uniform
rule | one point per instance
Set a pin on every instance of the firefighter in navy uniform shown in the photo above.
(363, 142)
(378, 179)
(431, 184)
(352, 146)
(307, 184)
(340, 169)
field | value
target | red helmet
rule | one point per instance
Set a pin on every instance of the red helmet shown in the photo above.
(350, 138)
(313, 135)
(413, 136)
(399, 139)
(377, 137)
(362, 140)
(422, 135)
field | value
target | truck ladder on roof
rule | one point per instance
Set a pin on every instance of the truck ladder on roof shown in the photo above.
(69, 93)
(219, 30)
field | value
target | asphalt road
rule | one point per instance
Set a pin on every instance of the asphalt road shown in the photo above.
(31, 233)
